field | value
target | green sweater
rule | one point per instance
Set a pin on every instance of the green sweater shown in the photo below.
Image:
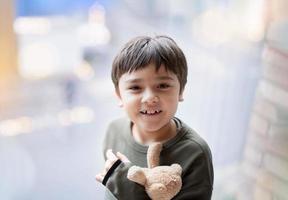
(187, 148)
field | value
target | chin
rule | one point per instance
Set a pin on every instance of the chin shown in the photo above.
(151, 129)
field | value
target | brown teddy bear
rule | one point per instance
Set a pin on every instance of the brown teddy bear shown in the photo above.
(160, 182)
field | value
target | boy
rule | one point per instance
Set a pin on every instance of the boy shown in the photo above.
(149, 75)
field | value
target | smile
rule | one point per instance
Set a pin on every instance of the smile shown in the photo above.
(150, 112)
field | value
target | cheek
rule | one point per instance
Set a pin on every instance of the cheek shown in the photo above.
(171, 103)
(130, 101)
(172, 100)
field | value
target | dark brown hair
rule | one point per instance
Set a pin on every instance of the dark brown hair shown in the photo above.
(142, 51)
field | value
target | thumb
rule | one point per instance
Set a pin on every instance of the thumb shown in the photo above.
(122, 157)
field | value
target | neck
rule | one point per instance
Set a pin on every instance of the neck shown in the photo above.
(162, 135)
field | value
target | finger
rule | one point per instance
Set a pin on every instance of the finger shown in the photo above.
(122, 157)
(99, 177)
(108, 164)
(110, 155)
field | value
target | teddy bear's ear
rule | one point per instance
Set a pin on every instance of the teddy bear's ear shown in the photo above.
(177, 168)
(137, 175)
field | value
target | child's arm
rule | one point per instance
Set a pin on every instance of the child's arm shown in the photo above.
(197, 179)
(194, 188)
(114, 177)
(112, 159)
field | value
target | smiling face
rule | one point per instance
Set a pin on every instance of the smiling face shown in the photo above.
(149, 97)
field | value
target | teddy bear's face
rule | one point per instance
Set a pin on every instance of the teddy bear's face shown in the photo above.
(163, 182)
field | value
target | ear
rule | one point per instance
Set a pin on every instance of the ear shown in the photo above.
(117, 93)
(181, 98)
(137, 175)
(177, 168)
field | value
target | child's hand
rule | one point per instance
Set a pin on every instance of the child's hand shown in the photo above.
(111, 159)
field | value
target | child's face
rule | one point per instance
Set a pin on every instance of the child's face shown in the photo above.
(149, 97)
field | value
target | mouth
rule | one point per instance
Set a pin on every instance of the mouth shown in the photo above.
(150, 112)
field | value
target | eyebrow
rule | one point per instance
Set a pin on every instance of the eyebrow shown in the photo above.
(161, 78)
(165, 78)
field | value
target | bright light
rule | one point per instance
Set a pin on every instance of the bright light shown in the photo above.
(32, 25)
(95, 32)
(97, 14)
(217, 26)
(38, 60)
(254, 21)
(76, 115)
(82, 115)
(16, 126)
(84, 71)
(213, 27)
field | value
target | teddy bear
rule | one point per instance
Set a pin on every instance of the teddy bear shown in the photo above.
(160, 182)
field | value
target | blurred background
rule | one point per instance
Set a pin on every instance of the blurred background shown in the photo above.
(56, 96)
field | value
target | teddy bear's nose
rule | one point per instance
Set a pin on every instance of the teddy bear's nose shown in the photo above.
(173, 182)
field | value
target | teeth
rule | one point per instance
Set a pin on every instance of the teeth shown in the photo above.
(150, 112)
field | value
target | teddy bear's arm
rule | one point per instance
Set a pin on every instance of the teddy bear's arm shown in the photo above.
(137, 175)
(153, 154)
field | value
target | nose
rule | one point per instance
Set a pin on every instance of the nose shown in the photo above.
(150, 97)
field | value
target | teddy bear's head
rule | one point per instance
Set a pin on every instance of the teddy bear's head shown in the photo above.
(160, 182)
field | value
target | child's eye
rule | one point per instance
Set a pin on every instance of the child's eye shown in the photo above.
(163, 86)
(135, 88)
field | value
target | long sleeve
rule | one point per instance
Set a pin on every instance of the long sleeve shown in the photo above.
(123, 188)
(196, 183)
(196, 180)
(187, 149)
